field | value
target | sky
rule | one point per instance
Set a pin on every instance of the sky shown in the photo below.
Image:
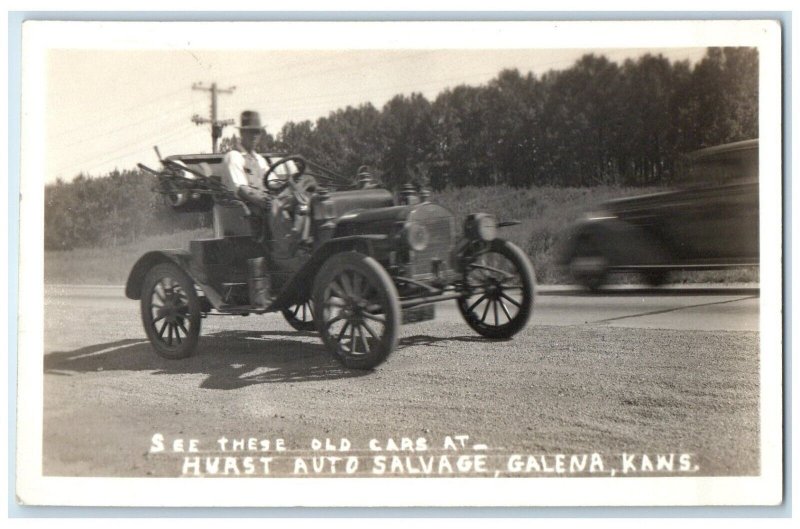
(106, 109)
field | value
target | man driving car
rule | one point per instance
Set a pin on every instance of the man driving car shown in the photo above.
(245, 171)
(245, 168)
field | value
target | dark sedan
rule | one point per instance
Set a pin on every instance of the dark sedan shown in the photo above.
(710, 222)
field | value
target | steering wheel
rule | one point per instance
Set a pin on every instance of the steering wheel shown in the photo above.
(299, 161)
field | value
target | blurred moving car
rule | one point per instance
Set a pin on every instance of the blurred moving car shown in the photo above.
(709, 222)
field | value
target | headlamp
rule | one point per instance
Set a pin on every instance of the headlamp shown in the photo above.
(417, 236)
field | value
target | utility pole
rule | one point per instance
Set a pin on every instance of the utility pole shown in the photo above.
(216, 124)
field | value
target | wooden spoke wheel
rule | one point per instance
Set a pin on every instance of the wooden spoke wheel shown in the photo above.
(301, 316)
(170, 311)
(500, 286)
(357, 308)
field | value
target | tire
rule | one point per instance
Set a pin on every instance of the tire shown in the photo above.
(352, 292)
(591, 280)
(589, 266)
(501, 285)
(300, 317)
(656, 277)
(170, 311)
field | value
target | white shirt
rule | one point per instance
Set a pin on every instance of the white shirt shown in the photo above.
(244, 169)
(247, 169)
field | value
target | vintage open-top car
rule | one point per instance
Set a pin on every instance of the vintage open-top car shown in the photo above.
(370, 261)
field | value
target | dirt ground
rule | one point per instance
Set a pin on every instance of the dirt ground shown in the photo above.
(554, 390)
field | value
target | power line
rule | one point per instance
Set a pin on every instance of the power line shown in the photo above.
(417, 86)
(181, 117)
(126, 151)
(159, 98)
(199, 120)
(216, 125)
(92, 123)
(338, 68)
(326, 101)
(216, 129)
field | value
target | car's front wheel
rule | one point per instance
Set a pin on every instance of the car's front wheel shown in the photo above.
(589, 266)
(500, 288)
(357, 310)
(170, 311)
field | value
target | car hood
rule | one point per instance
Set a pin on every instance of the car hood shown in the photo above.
(388, 220)
(620, 206)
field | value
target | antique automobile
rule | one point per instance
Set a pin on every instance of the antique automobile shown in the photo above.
(371, 261)
(709, 222)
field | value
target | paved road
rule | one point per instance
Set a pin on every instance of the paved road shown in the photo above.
(649, 373)
(696, 307)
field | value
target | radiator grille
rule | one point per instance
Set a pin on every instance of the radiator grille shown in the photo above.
(440, 225)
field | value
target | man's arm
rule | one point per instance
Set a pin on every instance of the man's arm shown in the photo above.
(276, 185)
(252, 195)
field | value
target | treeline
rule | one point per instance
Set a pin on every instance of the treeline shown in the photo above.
(595, 123)
(109, 211)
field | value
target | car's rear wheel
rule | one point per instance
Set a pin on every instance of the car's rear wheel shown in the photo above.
(501, 287)
(357, 310)
(170, 311)
(655, 277)
(300, 316)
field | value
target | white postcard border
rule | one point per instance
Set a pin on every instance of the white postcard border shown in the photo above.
(33, 488)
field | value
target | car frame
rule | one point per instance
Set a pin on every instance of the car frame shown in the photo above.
(376, 260)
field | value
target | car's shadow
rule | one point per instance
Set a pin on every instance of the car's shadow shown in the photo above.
(436, 341)
(229, 359)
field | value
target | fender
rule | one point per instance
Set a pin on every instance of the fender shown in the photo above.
(622, 243)
(298, 288)
(133, 287)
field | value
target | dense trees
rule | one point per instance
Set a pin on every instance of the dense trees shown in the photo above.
(597, 122)
(112, 210)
